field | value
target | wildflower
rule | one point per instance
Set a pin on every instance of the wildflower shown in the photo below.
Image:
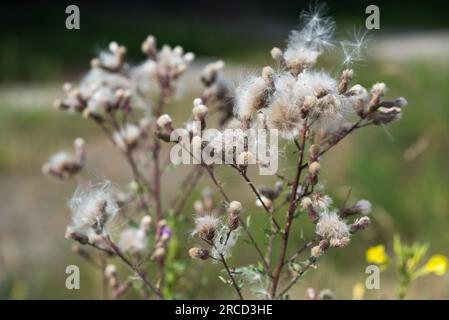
(437, 264)
(377, 255)
(92, 210)
(165, 233)
(199, 253)
(206, 227)
(63, 165)
(333, 229)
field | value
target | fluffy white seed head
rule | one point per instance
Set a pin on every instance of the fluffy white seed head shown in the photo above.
(320, 202)
(133, 240)
(92, 210)
(206, 226)
(250, 97)
(331, 227)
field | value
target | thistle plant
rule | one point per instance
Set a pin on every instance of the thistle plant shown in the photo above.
(310, 109)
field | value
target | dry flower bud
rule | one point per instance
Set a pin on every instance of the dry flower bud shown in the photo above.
(198, 207)
(233, 221)
(314, 152)
(267, 74)
(360, 224)
(306, 202)
(149, 46)
(314, 168)
(159, 253)
(379, 89)
(346, 76)
(206, 227)
(162, 223)
(316, 251)
(338, 243)
(164, 121)
(199, 112)
(110, 271)
(199, 253)
(276, 54)
(189, 57)
(145, 222)
(235, 207)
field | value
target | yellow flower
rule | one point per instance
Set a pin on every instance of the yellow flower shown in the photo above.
(376, 255)
(437, 264)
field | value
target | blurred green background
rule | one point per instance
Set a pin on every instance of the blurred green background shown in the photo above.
(402, 169)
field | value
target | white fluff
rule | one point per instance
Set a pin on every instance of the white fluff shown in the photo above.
(92, 209)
